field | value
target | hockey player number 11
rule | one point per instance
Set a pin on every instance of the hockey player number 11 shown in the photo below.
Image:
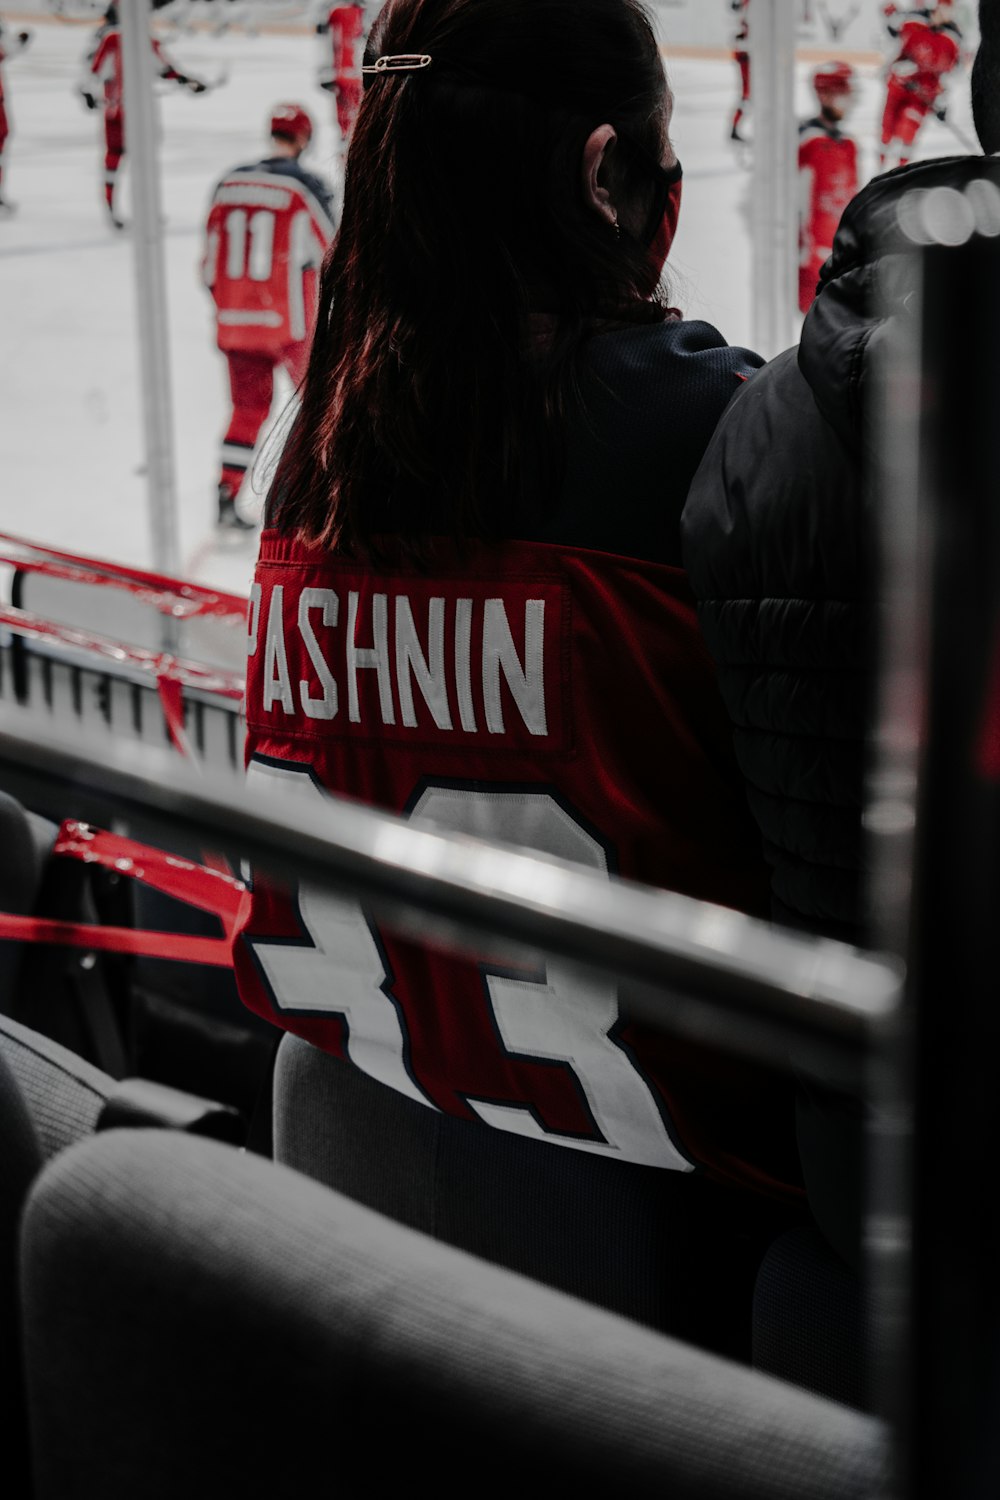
(257, 229)
(338, 969)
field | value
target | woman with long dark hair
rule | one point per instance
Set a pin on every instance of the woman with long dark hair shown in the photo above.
(469, 610)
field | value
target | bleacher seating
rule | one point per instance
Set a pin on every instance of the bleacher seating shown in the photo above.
(814, 1323)
(49, 1099)
(202, 1323)
(661, 1247)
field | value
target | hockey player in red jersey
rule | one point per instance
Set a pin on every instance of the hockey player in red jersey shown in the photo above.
(929, 47)
(9, 47)
(104, 70)
(268, 227)
(345, 25)
(742, 58)
(828, 173)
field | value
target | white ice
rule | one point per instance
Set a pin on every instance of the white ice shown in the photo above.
(71, 439)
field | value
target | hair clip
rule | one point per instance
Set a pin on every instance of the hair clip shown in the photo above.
(400, 62)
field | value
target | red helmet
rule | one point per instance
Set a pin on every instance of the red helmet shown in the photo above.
(292, 122)
(833, 78)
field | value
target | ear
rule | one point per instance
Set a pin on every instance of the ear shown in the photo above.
(599, 146)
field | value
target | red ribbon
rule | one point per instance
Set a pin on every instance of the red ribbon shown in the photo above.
(182, 947)
(157, 664)
(209, 887)
(171, 596)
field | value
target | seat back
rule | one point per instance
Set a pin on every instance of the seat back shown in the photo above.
(66, 993)
(665, 1248)
(813, 1320)
(295, 1334)
(20, 1159)
(62, 1093)
(26, 841)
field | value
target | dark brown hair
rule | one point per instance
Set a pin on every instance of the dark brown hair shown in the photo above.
(427, 407)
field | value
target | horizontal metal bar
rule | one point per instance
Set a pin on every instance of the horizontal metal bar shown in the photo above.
(731, 972)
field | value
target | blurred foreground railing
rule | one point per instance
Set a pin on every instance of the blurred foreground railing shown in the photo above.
(935, 824)
(729, 979)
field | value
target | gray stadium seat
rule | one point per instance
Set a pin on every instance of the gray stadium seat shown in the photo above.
(59, 991)
(20, 1159)
(177, 1023)
(63, 1094)
(27, 842)
(669, 1250)
(201, 1322)
(813, 1321)
(49, 1099)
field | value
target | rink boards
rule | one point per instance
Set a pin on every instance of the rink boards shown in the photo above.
(118, 702)
(106, 664)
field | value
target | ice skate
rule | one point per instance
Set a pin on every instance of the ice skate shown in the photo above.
(229, 519)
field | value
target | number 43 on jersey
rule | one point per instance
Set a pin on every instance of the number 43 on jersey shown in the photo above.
(337, 969)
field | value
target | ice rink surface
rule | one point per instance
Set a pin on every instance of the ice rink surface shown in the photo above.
(71, 441)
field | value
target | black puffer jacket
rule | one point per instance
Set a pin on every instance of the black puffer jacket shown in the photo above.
(777, 544)
(777, 547)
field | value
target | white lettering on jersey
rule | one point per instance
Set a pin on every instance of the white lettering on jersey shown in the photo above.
(339, 970)
(463, 664)
(443, 674)
(277, 683)
(236, 243)
(410, 658)
(560, 1018)
(361, 658)
(324, 707)
(527, 683)
(253, 619)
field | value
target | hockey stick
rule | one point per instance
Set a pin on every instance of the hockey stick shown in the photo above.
(207, 85)
(216, 83)
(973, 147)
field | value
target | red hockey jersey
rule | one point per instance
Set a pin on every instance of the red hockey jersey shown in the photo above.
(547, 697)
(265, 238)
(828, 180)
(926, 54)
(347, 30)
(106, 66)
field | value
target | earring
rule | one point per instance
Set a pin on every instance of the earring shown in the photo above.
(616, 227)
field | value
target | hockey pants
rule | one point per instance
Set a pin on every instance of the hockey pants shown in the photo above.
(251, 383)
(114, 150)
(348, 104)
(901, 121)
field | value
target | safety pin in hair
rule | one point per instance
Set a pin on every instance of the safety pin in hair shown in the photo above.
(399, 62)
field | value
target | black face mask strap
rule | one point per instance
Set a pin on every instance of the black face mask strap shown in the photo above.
(664, 178)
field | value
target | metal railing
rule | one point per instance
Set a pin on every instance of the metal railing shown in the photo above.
(730, 978)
